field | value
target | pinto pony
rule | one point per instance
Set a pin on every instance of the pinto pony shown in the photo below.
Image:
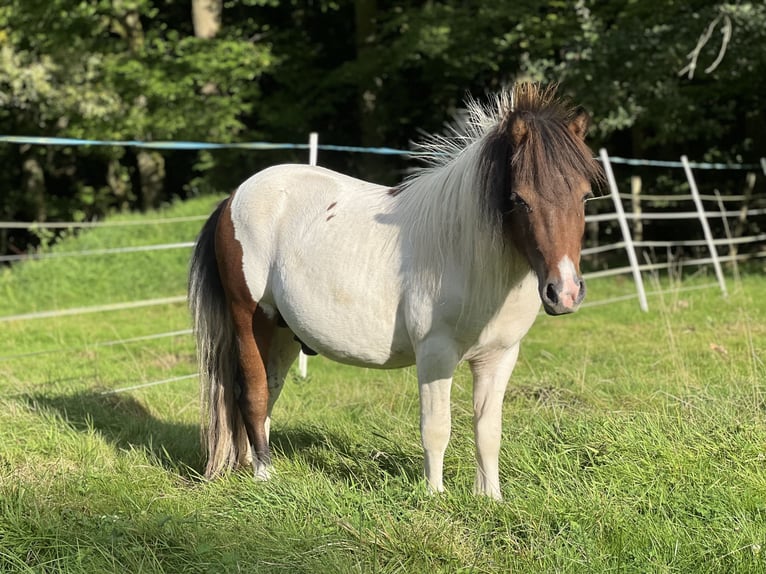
(450, 265)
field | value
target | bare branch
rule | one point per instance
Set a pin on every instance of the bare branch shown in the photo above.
(704, 38)
(726, 32)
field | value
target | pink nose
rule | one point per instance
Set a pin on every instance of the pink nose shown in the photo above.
(565, 296)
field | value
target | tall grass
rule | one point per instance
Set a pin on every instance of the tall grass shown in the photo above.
(633, 442)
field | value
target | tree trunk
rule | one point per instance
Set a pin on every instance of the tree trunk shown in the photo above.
(365, 16)
(206, 17)
(33, 186)
(365, 12)
(151, 164)
(151, 169)
(118, 180)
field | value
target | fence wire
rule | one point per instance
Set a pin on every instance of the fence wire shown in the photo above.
(589, 251)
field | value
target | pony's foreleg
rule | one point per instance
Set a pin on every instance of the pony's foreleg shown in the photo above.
(436, 360)
(490, 379)
(254, 333)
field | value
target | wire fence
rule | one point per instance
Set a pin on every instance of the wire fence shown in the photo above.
(105, 223)
(101, 251)
(628, 244)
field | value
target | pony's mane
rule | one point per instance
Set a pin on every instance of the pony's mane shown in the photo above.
(471, 125)
(461, 194)
(548, 146)
(549, 152)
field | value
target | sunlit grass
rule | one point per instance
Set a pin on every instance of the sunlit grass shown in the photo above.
(633, 442)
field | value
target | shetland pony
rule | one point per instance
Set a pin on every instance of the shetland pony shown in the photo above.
(451, 265)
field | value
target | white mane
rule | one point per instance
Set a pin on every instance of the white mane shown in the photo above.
(444, 207)
(470, 126)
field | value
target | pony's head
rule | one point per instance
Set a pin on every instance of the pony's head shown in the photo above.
(540, 176)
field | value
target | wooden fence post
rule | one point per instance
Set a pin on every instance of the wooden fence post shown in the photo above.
(729, 237)
(635, 197)
(739, 228)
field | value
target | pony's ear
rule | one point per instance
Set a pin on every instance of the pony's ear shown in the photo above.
(518, 130)
(579, 124)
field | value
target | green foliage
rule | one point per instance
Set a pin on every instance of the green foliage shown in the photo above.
(626, 62)
(359, 72)
(128, 70)
(621, 61)
(107, 70)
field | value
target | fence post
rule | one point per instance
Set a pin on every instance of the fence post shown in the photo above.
(739, 228)
(635, 197)
(729, 236)
(303, 361)
(705, 226)
(629, 247)
(313, 147)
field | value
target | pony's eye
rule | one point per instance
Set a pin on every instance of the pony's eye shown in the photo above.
(518, 202)
(588, 196)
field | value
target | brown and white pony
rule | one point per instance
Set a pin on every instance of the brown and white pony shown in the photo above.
(449, 266)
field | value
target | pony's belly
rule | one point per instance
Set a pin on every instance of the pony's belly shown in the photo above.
(348, 335)
(370, 361)
(347, 311)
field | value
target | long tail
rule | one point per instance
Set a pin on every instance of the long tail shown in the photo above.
(222, 433)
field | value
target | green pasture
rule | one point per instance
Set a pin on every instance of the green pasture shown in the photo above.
(633, 442)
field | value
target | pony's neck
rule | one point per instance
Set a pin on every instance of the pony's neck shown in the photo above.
(444, 212)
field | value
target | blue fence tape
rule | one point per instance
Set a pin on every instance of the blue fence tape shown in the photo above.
(187, 145)
(145, 144)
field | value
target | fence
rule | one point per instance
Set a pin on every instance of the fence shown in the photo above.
(629, 244)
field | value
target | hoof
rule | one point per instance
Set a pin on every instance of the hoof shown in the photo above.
(261, 471)
(482, 487)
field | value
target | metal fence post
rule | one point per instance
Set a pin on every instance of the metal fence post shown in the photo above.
(629, 247)
(705, 226)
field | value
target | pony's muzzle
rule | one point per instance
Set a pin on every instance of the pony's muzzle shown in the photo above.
(562, 297)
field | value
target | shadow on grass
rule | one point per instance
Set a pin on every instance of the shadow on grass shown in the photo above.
(126, 423)
(363, 460)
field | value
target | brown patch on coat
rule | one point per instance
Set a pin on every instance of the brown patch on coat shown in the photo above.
(254, 331)
(228, 254)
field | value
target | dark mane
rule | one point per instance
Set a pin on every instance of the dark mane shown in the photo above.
(548, 150)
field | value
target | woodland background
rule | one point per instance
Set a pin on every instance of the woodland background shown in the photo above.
(361, 72)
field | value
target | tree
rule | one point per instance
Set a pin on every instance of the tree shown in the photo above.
(366, 72)
(113, 69)
(623, 63)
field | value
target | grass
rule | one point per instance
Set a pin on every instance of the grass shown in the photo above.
(633, 442)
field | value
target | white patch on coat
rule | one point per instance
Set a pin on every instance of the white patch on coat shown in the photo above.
(570, 282)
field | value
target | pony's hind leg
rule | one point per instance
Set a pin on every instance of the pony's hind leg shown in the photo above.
(254, 330)
(490, 379)
(254, 333)
(282, 354)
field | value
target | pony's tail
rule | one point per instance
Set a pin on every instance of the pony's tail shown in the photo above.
(222, 434)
